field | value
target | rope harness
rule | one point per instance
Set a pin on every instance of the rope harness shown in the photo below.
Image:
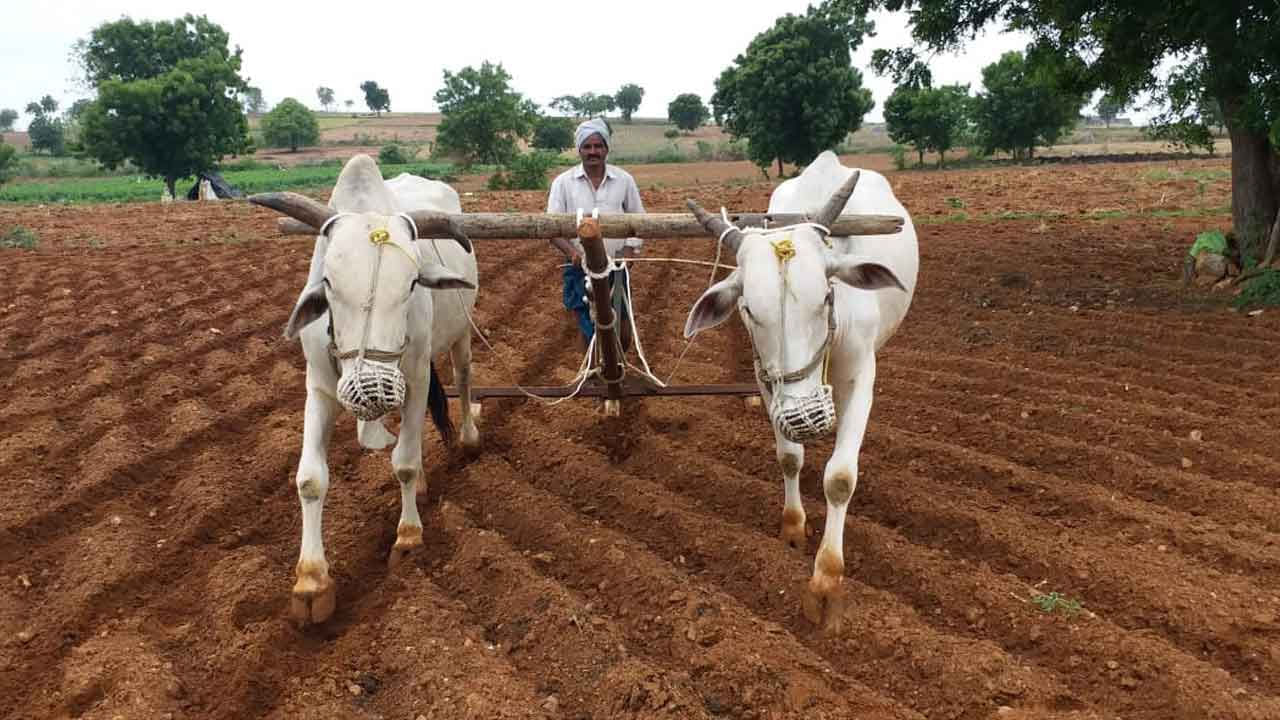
(376, 385)
(799, 418)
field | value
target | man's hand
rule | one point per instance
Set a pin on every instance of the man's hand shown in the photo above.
(575, 257)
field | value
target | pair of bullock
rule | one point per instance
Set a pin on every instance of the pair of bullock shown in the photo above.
(381, 302)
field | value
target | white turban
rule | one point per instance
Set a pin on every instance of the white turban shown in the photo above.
(587, 128)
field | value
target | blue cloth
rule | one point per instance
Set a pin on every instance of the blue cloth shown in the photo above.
(575, 297)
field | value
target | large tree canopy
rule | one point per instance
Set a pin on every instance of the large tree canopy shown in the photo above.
(168, 97)
(795, 92)
(128, 50)
(1225, 51)
(483, 118)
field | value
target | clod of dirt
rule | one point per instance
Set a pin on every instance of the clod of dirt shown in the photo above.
(1196, 435)
(25, 636)
(551, 704)
(1186, 463)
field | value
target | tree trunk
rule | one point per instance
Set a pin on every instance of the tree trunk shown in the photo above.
(780, 175)
(921, 154)
(170, 183)
(1255, 188)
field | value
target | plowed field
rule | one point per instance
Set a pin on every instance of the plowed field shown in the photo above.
(1057, 420)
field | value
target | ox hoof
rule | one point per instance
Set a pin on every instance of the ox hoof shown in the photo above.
(795, 536)
(313, 600)
(471, 441)
(823, 602)
(408, 540)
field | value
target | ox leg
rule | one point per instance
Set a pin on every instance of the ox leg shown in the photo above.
(824, 599)
(460, 356)
(406, 466)
(791, 459)
(313, 593)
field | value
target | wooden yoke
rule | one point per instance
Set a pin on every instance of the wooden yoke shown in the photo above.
(606, 321)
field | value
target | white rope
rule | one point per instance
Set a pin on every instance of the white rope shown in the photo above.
(324, 226)
(577, 382)
(635, 332)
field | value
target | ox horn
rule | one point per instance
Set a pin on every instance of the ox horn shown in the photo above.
(716, 226)
(836, 204)
(299, 207)
(427, 223)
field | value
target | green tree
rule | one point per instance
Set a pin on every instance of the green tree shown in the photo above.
(47, 133)
(628, 98)
(587, 104)
(1109, 108)
(483, 118)
(553, 133)
(325, 95)
(252, 100)
(687, 112)
(1024, 105)
(45, 130)
(928, 118)
(8, 117)
(7, 162)
(290, 124)
(127, 50)
(172, 121)
(900, 121)
(1228, 52)
(378, 99)
(795, 92)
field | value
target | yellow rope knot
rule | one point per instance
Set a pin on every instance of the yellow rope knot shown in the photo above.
(784, 248)
(380, 236)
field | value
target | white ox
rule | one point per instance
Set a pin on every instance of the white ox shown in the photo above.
(371, 353)
(817, 314)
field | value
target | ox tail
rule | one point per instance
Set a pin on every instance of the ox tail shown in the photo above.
(438, 402)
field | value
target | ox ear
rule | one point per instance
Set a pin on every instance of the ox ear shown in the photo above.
(715, 306)
(439, 277)
(311, 306)
(861, 272)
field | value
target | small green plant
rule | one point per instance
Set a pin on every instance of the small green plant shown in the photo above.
(395, 154)
(1261, 289)
(1049, 602)
(706, 151)
(955, 202)
(527, 171)
(899, 155)
(19, 237)
(671, 133)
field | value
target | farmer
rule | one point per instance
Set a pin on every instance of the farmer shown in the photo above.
(594, 184)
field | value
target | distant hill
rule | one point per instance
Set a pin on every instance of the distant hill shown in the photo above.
(18, 140)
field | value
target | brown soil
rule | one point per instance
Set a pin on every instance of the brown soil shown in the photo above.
(1033, 433)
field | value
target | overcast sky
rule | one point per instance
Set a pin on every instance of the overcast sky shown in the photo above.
(550, 48)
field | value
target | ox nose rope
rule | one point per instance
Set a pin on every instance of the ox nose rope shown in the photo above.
(376, 385)
(798, 418)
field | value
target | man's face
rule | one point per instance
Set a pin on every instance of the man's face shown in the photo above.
(593, 152)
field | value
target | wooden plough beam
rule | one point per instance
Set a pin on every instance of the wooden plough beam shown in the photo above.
(545, 226)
